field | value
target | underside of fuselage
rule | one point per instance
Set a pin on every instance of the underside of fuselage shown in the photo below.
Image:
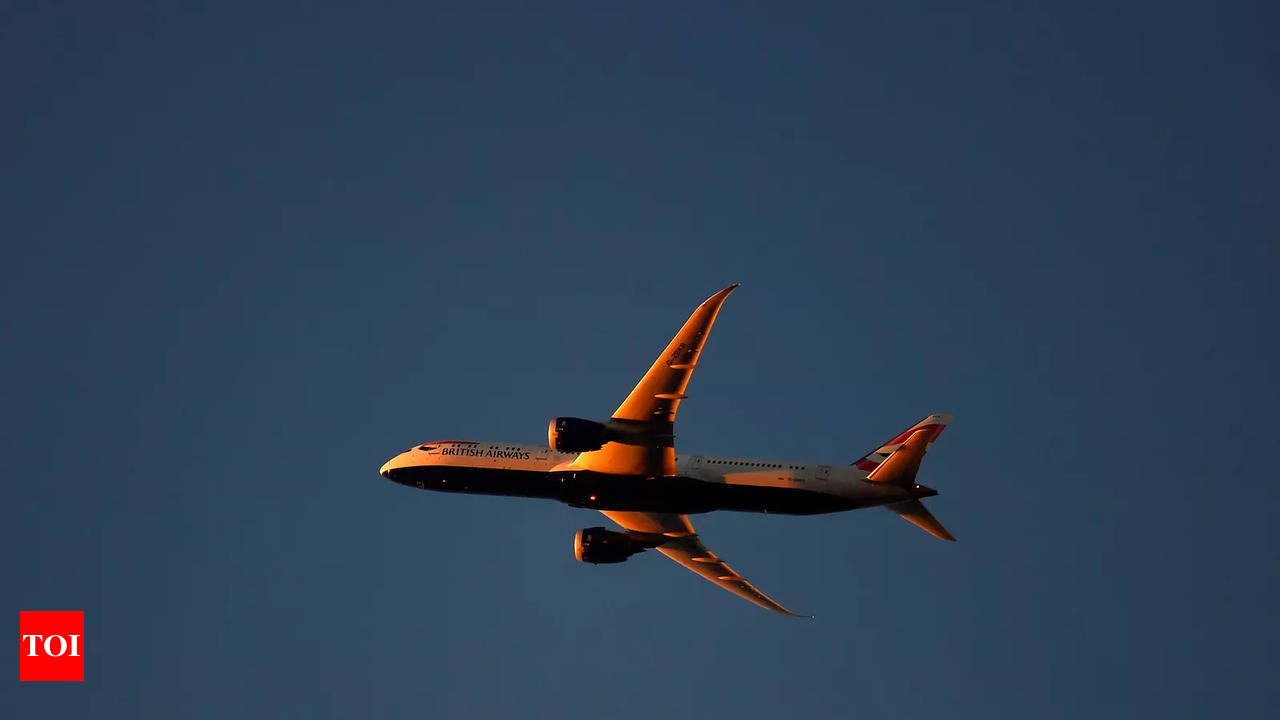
(601, 491)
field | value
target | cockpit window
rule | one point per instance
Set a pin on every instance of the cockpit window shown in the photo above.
(426, 447)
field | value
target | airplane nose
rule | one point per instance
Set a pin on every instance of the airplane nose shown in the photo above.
(385, 470)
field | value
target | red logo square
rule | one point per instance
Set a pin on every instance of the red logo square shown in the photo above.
(51, 645)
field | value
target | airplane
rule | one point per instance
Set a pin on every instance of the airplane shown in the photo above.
(627, 468)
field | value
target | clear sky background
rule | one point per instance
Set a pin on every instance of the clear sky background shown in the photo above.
(250, 251)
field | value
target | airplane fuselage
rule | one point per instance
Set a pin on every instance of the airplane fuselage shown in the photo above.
(702, 483)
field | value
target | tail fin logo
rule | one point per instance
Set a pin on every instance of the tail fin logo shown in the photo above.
(934, 423)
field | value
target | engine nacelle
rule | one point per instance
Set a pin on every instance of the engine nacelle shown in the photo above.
(575, 435)
(599, 545)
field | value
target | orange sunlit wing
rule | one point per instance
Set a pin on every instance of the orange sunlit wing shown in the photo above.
(655, 399)
(658, 394)
(685, 548)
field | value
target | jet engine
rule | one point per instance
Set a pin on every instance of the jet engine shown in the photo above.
(575, 435)
(599, 545)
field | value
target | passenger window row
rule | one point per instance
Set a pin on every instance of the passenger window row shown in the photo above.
(753, 464)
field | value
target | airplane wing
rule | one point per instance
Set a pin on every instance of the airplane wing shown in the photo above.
(653, 403)
(686, 549)
(658, 394)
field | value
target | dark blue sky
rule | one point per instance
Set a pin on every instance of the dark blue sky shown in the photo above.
(252, 251)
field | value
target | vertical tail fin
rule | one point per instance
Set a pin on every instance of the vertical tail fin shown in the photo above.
(901, 467)
(897, 462)
(934, 423)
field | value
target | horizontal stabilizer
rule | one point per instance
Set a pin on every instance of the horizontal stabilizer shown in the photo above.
(914, 512)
